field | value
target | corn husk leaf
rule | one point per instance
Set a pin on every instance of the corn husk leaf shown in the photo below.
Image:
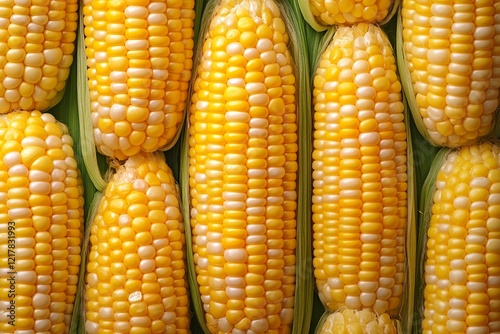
(77, 325)
(304, 283)
(94, 163)
(426, 202)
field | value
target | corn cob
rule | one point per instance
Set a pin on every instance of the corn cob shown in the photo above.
(36, 52)
(462, 265)
(135, 280)
(359, 173)
(348, 321)
(243, 170)
(139, 58)
(450, 64)
(41, 213)
(345, 12)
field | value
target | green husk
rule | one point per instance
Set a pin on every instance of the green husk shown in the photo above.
(77, 325)
(425, 210)
(88, 148)
(407, 306)
(304, 284)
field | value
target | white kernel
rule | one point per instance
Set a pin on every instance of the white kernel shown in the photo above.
(369, 138)
(137, 44)
(463, 28)
(255, 240)
(264, 44)
(146, 252)
(353, 302)
(494, 199)
(91, 327)
(251, 53)
(147, 266)
(18, 170)
(237, 116)
(462, 202)
(255, 88)
(350, 183)
(235, 282)
(235, 255)
(476, 286)
(138, 12)
(348, 111)
(40, 300)
(367, 299)
(476, 239)
(11, 159)
(455, 326)
(235, 293)
(477, 330)
(235, 82)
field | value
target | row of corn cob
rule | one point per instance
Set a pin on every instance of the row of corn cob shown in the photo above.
(127, 212)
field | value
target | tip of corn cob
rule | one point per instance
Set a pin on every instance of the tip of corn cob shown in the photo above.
(346, 321)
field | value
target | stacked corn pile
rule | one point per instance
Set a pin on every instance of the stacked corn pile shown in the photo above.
(361, 162)
(289, 111)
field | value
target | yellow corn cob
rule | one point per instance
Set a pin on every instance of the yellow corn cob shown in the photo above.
(36, 52)
(348, 321)
(41, 213)
(452, 51)
(136, 279)
(332, 12)
(359, 173)
(243, 166)
(462, 268)
(139, 58)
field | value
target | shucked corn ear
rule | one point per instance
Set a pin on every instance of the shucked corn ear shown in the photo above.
(139, 58)
(243, 170)
(36, 52)
(449, 58)
(347, 321)
(462, 262)
(359, 173)
(321, 14)
(136, 277)
(41, 223)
